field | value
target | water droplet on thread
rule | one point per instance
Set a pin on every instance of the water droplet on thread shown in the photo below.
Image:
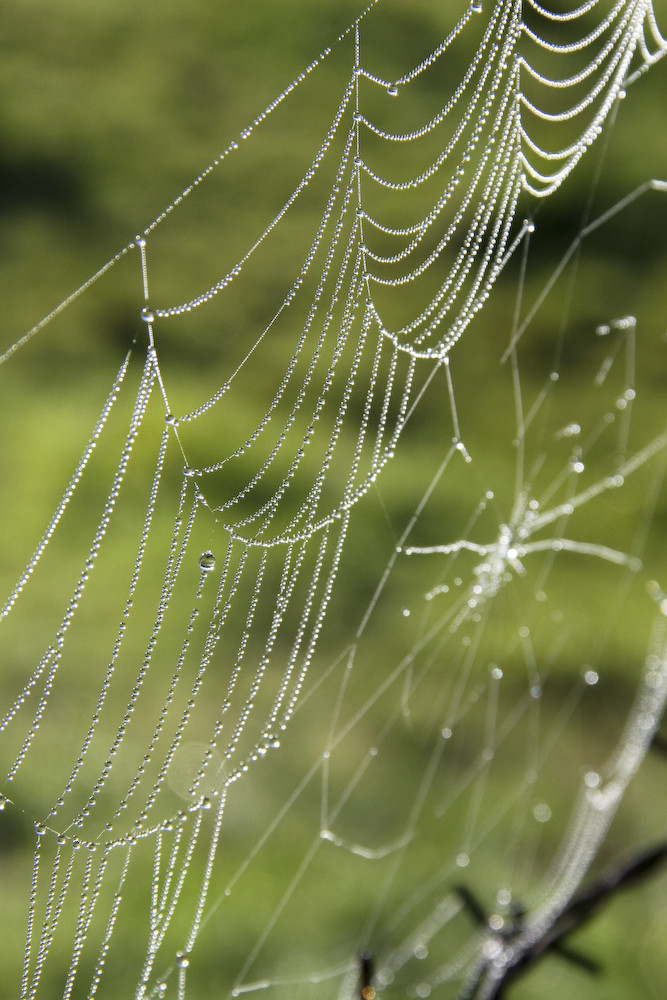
(392, 91)
(147, 315)
(207, 561)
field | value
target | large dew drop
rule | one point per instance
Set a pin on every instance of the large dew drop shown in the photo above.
(207, 561)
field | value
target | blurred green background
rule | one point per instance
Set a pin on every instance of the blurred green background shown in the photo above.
(108, 110)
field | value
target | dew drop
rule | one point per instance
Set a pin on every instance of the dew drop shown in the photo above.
(140, 241)
(3, 802)
(462, 860)
(647, 720)
(170, 419)
(492, 949)
(542, 812)
(40, 829)
(392, 91)
(207, 561)
(182, 960)
(570, 430)
(147, 315)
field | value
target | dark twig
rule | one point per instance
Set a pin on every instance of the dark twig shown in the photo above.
(582, 907)
(366, 988)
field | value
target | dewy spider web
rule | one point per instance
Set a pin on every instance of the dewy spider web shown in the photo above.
(187, 660)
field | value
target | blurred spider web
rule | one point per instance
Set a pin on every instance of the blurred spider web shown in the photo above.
(195, 589)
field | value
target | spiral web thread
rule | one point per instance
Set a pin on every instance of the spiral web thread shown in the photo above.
(216, 622)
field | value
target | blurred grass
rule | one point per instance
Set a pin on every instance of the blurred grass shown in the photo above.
(108, 110)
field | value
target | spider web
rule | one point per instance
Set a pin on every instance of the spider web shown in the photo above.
(197, 542)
